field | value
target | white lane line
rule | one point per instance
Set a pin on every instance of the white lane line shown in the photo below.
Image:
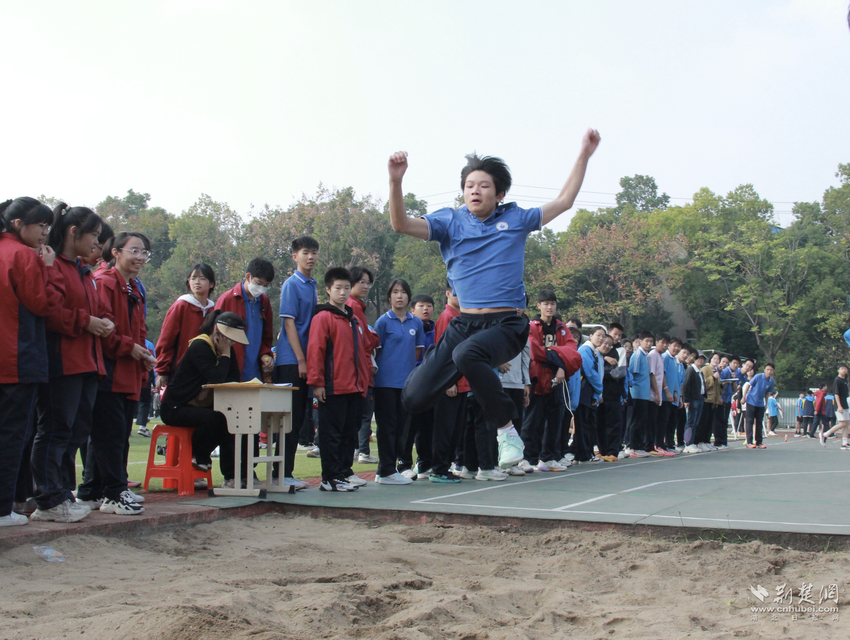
(578, 504)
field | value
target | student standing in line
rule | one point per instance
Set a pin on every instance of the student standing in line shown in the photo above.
(568, 443)
(75, 361)
(419, 427)
(28, 283)
(682, 418)
(640, 393)
(693, 394)
(773, 413)
(483, 245)
(756, 392)
(362, 280)
(183, 321)
(335, 371)
(842, 409)
(541, 426)
(656, 418)
(590, 397)
(670, 396)
(402, 340)
(728, 367)
(126, 359)
(712, 405)
(820, 418)
(807, 411)
(209, 359)
(798, 414)
(610, 409)
(298, 298)
(450, 410)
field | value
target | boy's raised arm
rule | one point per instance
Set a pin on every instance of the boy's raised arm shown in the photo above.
(400, 221)
(566, 198)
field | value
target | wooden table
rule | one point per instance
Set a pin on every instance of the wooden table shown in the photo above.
(250, 408)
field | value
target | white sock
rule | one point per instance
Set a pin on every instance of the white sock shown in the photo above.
(509, 430)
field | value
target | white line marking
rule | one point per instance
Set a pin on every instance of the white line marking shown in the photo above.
(578, 504)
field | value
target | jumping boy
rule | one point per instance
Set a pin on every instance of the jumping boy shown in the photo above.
(483, 245)
(334, 371)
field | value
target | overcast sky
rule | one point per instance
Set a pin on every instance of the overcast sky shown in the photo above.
(259, 102)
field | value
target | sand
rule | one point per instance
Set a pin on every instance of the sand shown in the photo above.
(280, 576)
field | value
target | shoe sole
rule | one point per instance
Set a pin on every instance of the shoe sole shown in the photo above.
(62, 519)
(122, 512)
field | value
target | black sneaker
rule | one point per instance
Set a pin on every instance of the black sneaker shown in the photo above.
(336, 485)
(201, 466)
(123, 506)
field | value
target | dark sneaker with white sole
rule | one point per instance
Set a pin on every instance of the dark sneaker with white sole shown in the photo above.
(123, 506)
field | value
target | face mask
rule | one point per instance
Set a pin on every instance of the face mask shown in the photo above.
(256, 290)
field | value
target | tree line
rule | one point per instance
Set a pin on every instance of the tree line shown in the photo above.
(752, 287)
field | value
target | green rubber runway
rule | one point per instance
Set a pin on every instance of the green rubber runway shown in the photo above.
(796, 486)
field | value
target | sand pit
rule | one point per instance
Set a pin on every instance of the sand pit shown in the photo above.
(302, 578)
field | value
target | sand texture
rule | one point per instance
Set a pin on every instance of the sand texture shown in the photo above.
(303, 578)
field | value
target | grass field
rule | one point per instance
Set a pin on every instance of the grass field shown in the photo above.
(140, 446)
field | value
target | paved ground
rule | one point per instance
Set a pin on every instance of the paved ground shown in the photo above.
(794, 487)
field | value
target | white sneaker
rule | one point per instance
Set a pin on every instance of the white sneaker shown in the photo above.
(13, 520)
(771, 433)
(409, 474)
(680, 449)
(365, 458)
(526, 466)
(510, 448)
(314, 453)
(336, 485)
(692, 448)
(228, 484)
(570, 456)
(465, 474)
(710, 446)
(549, 465)
(490, 474)
(143, 431)
(66, 512)
(136, 496)
(393, 478)
(515, 471)
(295, 482)
(123, 506)
(564, 462)
(639, 453)
(356, 480)
(216, 453)
(623, 454)
(454, 469)
(423, 475)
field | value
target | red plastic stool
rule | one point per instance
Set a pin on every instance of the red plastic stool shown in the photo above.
(178, 470)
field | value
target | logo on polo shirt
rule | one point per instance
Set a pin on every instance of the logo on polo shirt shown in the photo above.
(413, 332)
(502, 226)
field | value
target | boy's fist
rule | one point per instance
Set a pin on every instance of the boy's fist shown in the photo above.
(590, 141)
(397, 165)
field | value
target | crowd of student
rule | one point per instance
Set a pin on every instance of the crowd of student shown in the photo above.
(75, 362)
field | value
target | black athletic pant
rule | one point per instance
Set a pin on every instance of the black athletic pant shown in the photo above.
(339, 422)
(609, 415)
(210, 432)
(681, 421)
(471, 346)
(662, 420)
(17, 409)
(585, 432)
(449, 422)
(283, 374)
(755, 415)
(721, 421)
(390, 417)
(651, 425)
(637, 424)
(106, 460)
(418, 430)
(479, 439)
(64, 405)
(706, 423)
(541, 428)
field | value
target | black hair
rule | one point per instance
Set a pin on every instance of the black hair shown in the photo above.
(686, 346)
(261, 268)
(645, 334)
(27, 210)
(575, 321)
(120, 240)
(65, 217)
(106, 232)
(547, 295)
(575, 333)
(617, 325)
(598, 329)
(357, 274)
(336, 273)
(733, 358)
(206, 271)
(662, 336)
(403, 284)
(676, 340)
(421, 297)
(304, 242)
(771, 365)
(494, 167)
(208, 324)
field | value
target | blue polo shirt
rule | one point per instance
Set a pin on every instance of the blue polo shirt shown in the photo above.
(297, 300)
(772, 407)
(639, 367)
(485, 259)
(671, 375)
(254, 332)
(396, 357)
(726, 374)
(429, 339)
(759, 387)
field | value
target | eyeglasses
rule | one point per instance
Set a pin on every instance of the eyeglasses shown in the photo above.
(365, 283)
(138, 252)
(45, 226)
